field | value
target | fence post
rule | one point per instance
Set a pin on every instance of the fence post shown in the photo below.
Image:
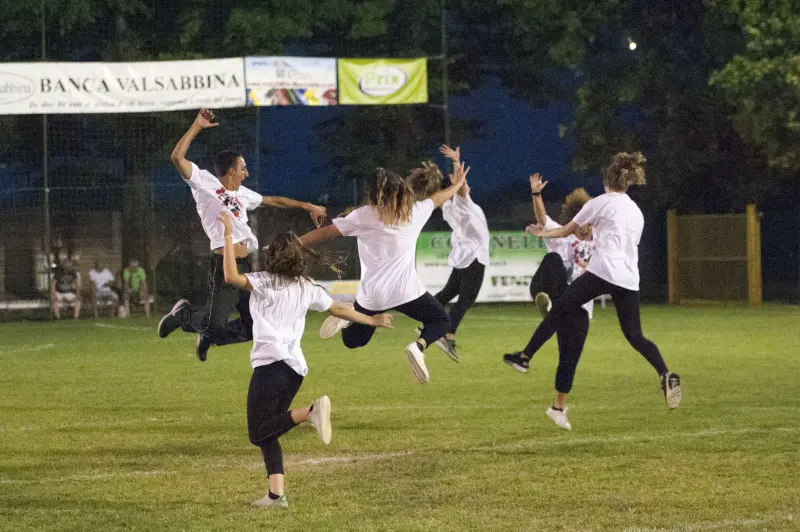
(672, 257)
(754, 285)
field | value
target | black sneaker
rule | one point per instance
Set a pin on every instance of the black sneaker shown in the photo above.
(519, 361)
(449, 347)
(203, 345)
(671, 386)
(172, 320)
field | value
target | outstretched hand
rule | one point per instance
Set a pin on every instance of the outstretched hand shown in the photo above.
(205, 119)
(450, 153)
(535, 229)
(225, 219)
(383, 320)
(318, 214)
(537, 185)
(459, 175)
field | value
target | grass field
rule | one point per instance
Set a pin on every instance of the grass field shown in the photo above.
(105, 427)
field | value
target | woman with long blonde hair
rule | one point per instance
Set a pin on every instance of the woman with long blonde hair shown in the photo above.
(617, 225)
(387, 228)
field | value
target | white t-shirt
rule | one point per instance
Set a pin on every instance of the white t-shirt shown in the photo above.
(211, 197)
(575, 253)
(617, 225)
(279, 306)
(470, 238)
(100, 278)
(388, 274)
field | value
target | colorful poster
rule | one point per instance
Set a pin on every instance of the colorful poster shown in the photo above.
(290, 81)
(142, 87)
(514, 258)
(383, 81)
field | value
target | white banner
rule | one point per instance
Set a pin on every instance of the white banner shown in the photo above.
(50, 88)
(290, 81)
(515, 257)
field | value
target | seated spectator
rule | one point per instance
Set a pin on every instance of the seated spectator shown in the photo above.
(65, 289)
(134, 284)
(102, 287)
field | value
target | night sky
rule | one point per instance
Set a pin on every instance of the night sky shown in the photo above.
(516, 141)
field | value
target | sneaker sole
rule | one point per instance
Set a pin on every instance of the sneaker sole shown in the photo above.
(443, 346)
(326, 431)
(516, 366)
(329, 331)
(541, 305)
(418, 370)
(175, 308)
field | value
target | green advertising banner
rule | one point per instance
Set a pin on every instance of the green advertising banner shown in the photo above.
(514, 258)
(382, 81)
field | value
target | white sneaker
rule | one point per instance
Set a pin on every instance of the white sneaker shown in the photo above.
(331, 326)
(559, 417)
(543, 303)
(417, 360)
(266, 502)
(320, 418)
(671, 386)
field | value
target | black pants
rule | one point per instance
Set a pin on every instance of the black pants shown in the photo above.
(212, 320)
(550, 277)
(425, 309)
(272, 389)
(464, 283)
(585, 288)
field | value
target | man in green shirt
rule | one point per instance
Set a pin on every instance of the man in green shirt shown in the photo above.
(134, 283)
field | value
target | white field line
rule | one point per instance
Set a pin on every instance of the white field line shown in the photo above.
(89, 477)
(28, 349)
(376, 408)
(124, 327)
(315, 461)
(717, 525)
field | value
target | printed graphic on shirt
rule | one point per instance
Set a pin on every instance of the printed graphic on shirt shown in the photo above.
(230, 202)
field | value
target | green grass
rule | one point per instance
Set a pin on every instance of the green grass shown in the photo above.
(112, 428)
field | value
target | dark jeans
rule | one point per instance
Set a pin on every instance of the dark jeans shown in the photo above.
(585, 288)
(272, 389)
(425, 309)
(464, 283)
(213, 320)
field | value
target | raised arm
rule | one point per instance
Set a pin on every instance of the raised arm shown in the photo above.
(348, 313)
(457, 179)
(320, 235)
(204, 120)
(317, 213)
(231, 272)
(455, 156)
(537, 185)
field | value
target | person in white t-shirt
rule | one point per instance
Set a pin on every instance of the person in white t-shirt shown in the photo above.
(102, 287)
(617, 225)
(214, 194)
(566, 260)
(282, 294)
(387, 228)
(469, 254)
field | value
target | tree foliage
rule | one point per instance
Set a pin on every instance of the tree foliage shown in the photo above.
(762, 82)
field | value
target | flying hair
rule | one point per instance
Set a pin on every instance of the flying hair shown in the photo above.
(573, 204)
(391, 197)
(287, 257)
(425, 180)
(626, 169)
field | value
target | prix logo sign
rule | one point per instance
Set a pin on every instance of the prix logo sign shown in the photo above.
(382, 81)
